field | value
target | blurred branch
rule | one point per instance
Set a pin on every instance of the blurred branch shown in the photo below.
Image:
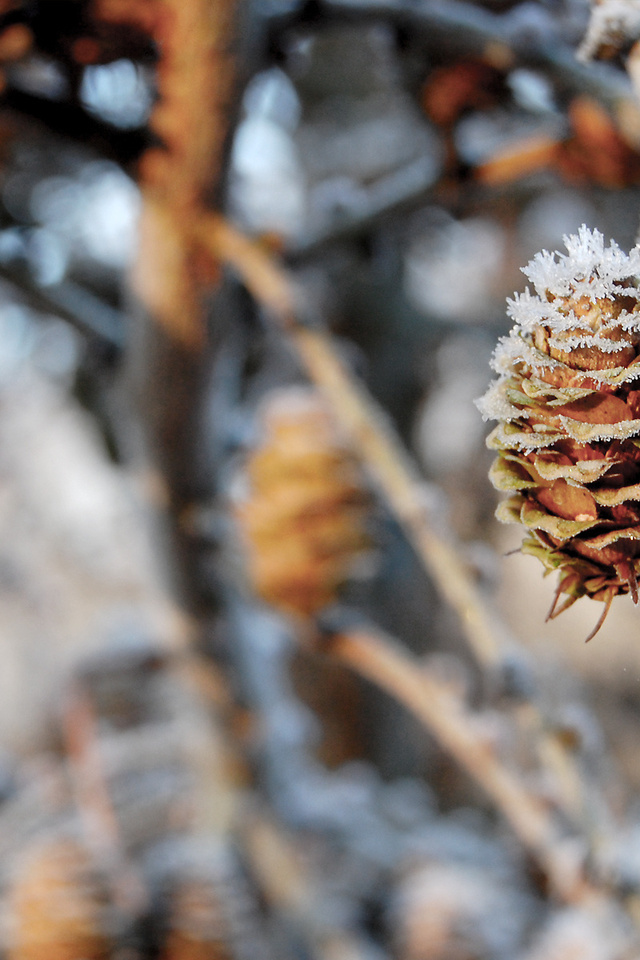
(65, 118)
(468, 29)
(510, 39)
(90, 314)
(383, 661)
(288, 885)
(402, 192)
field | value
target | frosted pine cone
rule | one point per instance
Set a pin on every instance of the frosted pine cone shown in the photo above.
(303, 518)
(211, 909)
(569, 418)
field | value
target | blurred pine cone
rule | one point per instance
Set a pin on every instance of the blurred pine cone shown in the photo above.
(211, 909)
(569, 418)
(58, 906)
(303, 518)
(198, 928)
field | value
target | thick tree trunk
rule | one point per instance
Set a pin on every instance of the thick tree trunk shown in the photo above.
(170, 350)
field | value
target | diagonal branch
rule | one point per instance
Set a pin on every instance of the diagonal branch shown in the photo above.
(384, 662)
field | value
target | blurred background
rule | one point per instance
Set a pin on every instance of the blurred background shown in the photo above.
(184, 772)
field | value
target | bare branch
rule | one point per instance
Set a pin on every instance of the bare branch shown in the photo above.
(383, 661)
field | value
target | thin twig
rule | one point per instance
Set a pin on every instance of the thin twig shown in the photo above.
(383, 661)
(265, 279)
(90, 314)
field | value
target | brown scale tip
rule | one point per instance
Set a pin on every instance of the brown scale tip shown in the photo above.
(603, 615)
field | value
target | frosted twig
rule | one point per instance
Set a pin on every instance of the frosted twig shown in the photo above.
(383, 661)
(613, 25)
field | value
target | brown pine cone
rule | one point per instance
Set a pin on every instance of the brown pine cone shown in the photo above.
(569, 418)
(198, 928)
(303, 517)
(57, 906)
(211, 909)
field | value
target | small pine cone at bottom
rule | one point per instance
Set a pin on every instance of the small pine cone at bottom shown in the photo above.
(197, 931)
(567, 402)
(58, 905)
(211, 909)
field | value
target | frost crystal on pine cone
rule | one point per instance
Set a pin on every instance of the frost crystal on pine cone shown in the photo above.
(568, 436)
(613, 24)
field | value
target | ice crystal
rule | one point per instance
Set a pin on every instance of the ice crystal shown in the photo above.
(613, 23)
(494, 406)
(588, 268)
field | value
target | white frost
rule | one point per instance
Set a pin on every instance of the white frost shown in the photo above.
(588, 268)
(613, 23)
